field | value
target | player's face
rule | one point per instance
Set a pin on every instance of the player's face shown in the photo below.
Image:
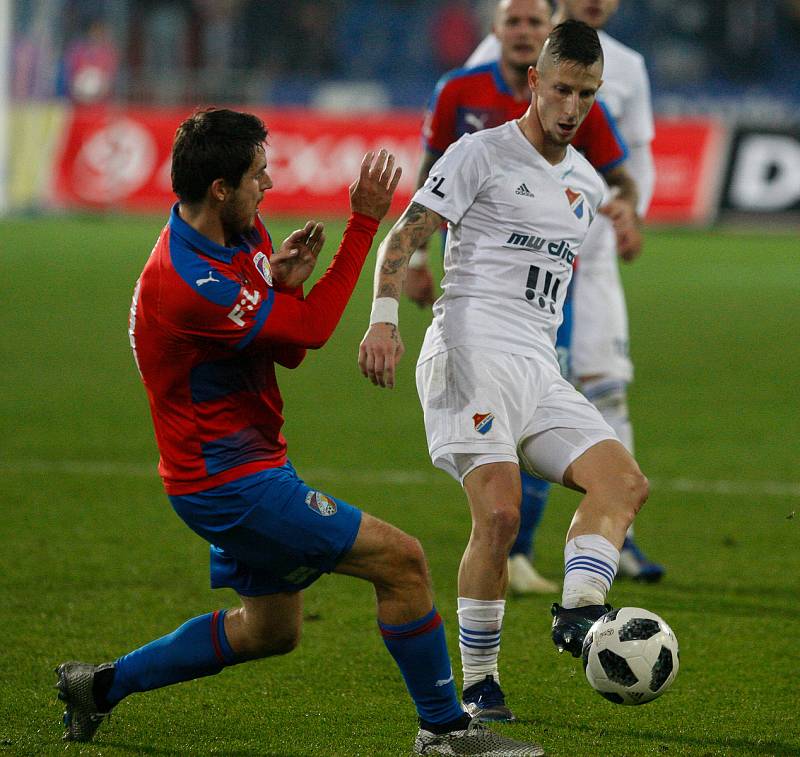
(522, 27)
(240, 209)
(564, 93)
(593, 12)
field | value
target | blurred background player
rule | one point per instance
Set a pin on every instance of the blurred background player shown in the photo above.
(599, 351)
(213, 312)
(480, 97)
(488, 376)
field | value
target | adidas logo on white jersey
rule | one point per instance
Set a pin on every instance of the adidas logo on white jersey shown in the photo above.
(523, 190)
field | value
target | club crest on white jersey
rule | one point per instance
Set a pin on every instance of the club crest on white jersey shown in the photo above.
(483, 422)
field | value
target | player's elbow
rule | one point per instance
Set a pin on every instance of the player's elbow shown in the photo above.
(292, 359)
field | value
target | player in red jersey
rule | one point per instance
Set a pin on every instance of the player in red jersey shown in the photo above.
(213, 311)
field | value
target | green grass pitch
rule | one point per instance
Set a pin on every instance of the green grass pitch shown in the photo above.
(95, 563)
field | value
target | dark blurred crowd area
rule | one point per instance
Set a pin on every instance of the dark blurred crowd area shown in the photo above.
(378, 53)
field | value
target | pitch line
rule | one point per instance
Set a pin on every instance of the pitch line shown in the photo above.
(742, 488)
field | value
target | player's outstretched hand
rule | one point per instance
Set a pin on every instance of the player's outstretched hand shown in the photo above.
(371, 193)
(295, 259)
(379, 353)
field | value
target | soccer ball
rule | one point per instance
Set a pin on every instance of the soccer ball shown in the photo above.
(630, 656)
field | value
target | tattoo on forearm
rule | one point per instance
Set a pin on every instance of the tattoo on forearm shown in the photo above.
(411, 230)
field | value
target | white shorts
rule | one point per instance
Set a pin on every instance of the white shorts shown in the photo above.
(484, 406)
(600, 339)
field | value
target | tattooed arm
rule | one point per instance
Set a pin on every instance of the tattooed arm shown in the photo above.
(381, 348)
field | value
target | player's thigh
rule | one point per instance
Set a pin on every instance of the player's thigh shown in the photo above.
(382, 553)
(270, 532)
(565, 425)
(474, 402)
(605, 466)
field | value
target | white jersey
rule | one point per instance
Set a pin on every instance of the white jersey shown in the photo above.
(515, 224)
(626, 94)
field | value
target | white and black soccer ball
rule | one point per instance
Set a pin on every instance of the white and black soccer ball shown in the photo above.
(630, 656)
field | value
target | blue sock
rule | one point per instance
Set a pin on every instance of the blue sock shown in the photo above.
(198, 648)
(420, 650)
(534, 498)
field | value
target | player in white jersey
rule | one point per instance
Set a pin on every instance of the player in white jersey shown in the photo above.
(518, 200)
(599, 350)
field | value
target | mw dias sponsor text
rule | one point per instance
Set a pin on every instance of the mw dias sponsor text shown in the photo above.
(557, 248)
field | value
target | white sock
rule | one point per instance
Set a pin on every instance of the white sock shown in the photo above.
(480, 622)
(590, 564)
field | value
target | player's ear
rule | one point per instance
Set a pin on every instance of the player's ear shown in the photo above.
(533, 78)
(219, 190)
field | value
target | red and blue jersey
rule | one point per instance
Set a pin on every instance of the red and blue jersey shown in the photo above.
(471, 99)
(207, 325)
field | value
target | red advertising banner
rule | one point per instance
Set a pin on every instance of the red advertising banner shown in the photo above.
(690, 157)
(120, 159)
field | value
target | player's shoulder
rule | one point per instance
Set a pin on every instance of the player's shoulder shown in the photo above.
(497, 135)
(465, 77)
(619, 54)
(489, 142)
(204, 266)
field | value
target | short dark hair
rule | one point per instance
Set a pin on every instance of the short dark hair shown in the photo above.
(576, 42)
(213, 144)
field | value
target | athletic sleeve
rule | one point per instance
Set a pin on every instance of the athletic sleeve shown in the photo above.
(599, 139)
(255, 315)
(641, 167)
(455, 179)
(637, 126)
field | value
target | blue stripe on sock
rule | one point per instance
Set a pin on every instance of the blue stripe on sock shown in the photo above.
(478, 646)
(590, 563)
(607, 574)
(591, 570)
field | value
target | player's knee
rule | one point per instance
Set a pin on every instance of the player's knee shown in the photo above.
(411, 563)
(500, 524)
(636, 489)
(272, 642)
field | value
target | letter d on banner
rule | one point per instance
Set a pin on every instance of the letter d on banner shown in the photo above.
(766, 173)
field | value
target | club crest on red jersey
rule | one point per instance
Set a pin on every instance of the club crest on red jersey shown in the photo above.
(483, 422)
(261, 262)
(575, 200)
(321, 503)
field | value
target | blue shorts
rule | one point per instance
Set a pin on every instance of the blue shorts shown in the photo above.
(269, 532)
